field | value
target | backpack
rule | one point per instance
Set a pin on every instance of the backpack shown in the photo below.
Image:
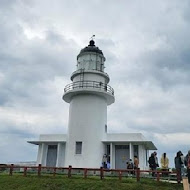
(130, 166)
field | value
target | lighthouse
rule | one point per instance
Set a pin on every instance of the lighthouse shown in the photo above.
(88, 95)
(87, 139)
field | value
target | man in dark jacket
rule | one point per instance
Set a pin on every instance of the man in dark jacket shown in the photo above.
(152, 163)
(178, 162)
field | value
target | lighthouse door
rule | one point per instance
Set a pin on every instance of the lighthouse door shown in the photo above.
(51, 156)
(121, 156)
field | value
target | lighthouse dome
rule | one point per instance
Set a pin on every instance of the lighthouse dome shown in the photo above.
(90, 48)
(91, 58)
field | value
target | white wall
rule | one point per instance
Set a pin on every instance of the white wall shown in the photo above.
(39, 156)
(42, 154)
(60, 155)
(53, 137)
(142, 157)
(87, 120)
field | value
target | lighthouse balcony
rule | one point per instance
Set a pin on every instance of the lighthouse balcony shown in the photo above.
(92, 87)
(89, 84)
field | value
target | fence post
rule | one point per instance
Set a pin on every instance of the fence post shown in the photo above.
(185, 183)
(138, 174)
(101, 173)
(25, 171)
(158, 176)
(120, 175)
(85, 173)
(69, 171)
(54, 172)
(39, 170)
(11, 170)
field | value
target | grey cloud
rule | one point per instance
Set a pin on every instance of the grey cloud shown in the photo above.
(163, 68)
(25, 65)
(10, 149)
(147, 52)
(11, 130)
(7, 4)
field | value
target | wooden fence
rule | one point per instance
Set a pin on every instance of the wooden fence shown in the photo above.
(101, 171)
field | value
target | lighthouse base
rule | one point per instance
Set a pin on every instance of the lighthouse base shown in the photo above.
(118, 147)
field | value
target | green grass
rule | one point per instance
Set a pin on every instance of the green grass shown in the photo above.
(61, 182)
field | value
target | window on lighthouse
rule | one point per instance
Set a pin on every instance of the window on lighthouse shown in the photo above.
(78, 148)
(106, 128)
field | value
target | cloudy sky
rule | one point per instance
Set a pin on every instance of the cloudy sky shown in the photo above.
(147, 48)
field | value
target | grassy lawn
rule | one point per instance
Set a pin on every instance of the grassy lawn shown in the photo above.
(78, 183)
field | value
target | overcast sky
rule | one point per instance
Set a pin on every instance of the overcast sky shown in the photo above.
(147, 48)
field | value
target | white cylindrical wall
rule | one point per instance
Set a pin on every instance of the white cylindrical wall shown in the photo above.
(87, 120)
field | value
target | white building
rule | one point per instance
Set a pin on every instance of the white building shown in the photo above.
(87, 140)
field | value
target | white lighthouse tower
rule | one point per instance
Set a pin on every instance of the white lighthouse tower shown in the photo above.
(87, 139)
(89, 95)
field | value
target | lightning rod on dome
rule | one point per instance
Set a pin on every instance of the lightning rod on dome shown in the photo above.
(92, 38)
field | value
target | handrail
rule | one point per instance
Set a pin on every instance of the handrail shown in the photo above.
(89, 84)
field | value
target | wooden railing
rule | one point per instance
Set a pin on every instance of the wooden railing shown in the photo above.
(101, 171)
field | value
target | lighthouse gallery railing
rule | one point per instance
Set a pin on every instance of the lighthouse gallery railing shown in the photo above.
(89, 84)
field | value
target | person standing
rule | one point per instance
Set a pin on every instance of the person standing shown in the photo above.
(156, 159)
(104, 161)
(182, 164)
(177, 161)
(136, 162)
(164, 164)
(152, 163)
(188, 166)
(130, 166)
(108, 162)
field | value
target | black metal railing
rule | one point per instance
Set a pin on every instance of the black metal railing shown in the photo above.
(89, 84)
